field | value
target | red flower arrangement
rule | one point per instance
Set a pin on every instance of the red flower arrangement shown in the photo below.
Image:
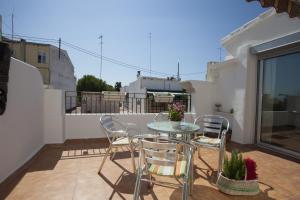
(250, 169)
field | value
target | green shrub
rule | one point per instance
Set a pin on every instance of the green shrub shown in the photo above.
(235, 167)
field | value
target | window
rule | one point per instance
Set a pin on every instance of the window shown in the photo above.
(41, 57)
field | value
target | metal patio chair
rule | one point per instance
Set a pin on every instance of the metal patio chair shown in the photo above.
(212, 135)
(118, 136)
(164, 116)
(164, 159)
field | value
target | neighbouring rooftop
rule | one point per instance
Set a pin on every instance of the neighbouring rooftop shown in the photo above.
(69, 171)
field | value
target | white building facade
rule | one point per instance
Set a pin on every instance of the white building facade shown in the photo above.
(259, 82)
(61, 70)
(141, 92)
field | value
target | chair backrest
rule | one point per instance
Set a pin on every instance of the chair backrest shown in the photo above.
(106, 122)
(111, 126)
(157, 153)
(214, 124)
(162, 116)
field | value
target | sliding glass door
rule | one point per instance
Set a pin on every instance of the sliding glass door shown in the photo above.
(279, 103)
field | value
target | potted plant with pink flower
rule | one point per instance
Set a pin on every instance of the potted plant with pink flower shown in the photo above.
(176, 113)
(238, 176)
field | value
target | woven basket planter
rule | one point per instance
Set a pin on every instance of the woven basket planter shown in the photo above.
(237, 187)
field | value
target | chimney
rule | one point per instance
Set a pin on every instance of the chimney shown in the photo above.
(23, 50)
(138, 74)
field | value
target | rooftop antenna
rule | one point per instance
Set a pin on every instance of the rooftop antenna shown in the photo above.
(12, 31)
(0, 27)
(101, 37)
(220, 54)
(150, 52)
(12, 26)
(178, 76)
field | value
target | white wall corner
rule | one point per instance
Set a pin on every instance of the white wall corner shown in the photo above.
(250, 100)
(54, 116)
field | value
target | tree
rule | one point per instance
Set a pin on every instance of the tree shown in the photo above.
(118, 86)
(92, 84)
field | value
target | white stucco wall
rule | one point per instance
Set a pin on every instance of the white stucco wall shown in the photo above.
(243, 79)
(203, 97)
(54, 110)
(21, 126)
(160, 84)
(87, 126)
(152, 83)
(230, 93)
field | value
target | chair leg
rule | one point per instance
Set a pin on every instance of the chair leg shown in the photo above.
(199, 155)
(150, 185)
(103, 161)
(221, 159)
(185, 192)
(191, 183)
(114, 154)
(137, 187)
(132, 158)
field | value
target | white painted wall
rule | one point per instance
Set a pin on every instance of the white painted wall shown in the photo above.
(54, 110)
(236, 78)
(203, 97)
(21, 126)
(87, 126)
(230, 93)
(153, 83)
(265, 27)
(160, 84)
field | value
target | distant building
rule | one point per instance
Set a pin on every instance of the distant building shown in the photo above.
(142, 92)
(54, 65)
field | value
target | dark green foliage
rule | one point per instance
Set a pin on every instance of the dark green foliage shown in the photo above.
(235, 167)
(90, 83)
(118, 86)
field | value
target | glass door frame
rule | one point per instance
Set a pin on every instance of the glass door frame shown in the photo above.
(260, 73)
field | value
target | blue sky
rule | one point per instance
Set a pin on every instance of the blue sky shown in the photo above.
(184, 31)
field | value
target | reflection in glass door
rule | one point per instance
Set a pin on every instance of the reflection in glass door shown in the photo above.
(279, 112)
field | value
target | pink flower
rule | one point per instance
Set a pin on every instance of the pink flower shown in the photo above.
(251, 169)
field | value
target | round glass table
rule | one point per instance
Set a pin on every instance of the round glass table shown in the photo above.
(184, 128)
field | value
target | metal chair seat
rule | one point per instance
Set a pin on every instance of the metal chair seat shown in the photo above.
(169, 170)
(124, 141)
(207, 141)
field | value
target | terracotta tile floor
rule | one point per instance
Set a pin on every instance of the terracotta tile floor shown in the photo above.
(69, 171)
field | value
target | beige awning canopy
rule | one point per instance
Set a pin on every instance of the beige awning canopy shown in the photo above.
(292, 7)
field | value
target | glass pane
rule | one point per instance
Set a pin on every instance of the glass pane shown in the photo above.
(280, 115)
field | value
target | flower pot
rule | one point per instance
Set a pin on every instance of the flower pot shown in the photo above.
(176, 124)
(237, 187)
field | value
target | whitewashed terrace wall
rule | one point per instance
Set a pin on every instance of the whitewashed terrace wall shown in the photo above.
(21, 126)
(54, 121)
(79, 126)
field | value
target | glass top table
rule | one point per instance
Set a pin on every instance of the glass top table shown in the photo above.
(183, 128)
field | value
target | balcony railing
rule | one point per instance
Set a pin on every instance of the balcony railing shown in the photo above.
(96, 102)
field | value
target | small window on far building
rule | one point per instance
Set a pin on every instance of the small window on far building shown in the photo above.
(41, 57)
